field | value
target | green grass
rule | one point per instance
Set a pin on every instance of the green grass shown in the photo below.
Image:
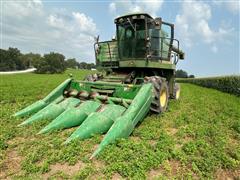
(198, 137)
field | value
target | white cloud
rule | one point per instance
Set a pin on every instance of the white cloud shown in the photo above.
(232, 6)
(84, 22)
(112, 7)
(192, 24)
(22, 9)
(131, 6)
(55, 21)
(30, 27)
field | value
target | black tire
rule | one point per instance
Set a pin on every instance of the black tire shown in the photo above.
(161, 94)
(176, 92)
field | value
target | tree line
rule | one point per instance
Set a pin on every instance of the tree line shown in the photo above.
(12, 59)
(183, 74)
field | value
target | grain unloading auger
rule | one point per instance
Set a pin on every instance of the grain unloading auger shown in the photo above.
(140, 68)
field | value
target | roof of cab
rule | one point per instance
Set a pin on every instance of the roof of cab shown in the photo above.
(132, 14)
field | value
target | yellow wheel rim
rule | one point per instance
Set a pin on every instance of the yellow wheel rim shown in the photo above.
(163, 98)
(178, 94)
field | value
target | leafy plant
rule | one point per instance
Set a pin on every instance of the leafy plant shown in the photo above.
(229, 84)
(198, 135)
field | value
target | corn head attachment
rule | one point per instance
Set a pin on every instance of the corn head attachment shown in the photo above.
(140, 70)
(96, 107)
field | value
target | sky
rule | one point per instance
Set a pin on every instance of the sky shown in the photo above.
(208, 31)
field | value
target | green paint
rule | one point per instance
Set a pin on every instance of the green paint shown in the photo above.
(124, 125)
(98, 122)
(58, 91)
(72, 116)
(35, 107)
(52, 110)
(107, 51)
(119, 90)
(143, 63)
(118, 101)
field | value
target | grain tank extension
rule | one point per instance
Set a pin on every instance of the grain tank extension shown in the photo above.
(140, 65)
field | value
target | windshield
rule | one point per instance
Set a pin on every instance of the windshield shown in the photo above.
(131, 35)
(160, 42)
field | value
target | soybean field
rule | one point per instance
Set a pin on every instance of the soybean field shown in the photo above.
(198, 137)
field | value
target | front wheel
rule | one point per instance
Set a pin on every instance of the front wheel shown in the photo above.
(163, 97)
(161, 94)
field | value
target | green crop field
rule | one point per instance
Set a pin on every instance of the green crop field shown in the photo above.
(198, 137)
(229, 84)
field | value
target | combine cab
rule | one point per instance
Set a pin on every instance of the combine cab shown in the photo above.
(140, 68)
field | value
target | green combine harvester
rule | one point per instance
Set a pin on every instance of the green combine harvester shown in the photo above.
(139, 77)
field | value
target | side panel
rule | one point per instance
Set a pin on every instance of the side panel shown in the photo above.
(146, 64)
(107, 51)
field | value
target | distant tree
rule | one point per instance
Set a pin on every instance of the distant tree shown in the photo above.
(15, 54)
(5, 64)
(181, 74)
(93, 65)
(71, 63)
(31, 59)
(88, 66)
(82, 65)
(10, 60)
(191, 76)
(52, 63)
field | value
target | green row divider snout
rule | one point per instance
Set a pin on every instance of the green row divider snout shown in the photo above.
(72, 116)
(98, 122)
(37, 106)
(124, 125)
(52, 110)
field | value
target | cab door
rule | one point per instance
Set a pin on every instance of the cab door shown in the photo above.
(166, 39)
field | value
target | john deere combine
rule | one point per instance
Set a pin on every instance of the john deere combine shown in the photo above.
(140, 67)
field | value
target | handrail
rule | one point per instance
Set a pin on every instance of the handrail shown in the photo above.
(172, 48)
(109, 50)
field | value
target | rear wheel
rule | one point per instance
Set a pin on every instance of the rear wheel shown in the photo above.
(176, 93)
(161, 94)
